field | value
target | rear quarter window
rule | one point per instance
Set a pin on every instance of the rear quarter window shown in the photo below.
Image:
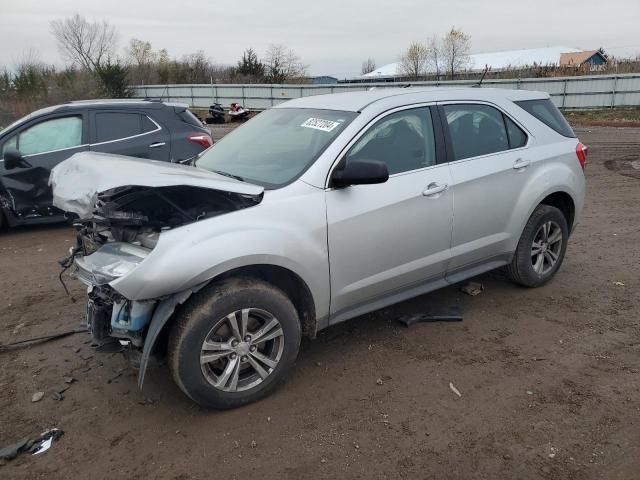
(548, 113)
(187, 117)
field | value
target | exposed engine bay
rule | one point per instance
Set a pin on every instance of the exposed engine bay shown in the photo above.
(137, 215)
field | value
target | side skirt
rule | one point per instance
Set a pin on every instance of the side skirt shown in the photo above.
(397, 296)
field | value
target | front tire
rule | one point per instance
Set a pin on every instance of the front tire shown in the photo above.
(541, 248)
(233, 343)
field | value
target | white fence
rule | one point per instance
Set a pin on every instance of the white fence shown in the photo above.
(596, 91)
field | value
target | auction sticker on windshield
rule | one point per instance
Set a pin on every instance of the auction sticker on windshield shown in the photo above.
(319, 124)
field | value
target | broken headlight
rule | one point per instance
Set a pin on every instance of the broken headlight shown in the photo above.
(109, 262)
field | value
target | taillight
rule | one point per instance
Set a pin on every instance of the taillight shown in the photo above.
(201, 139)
(581, 152)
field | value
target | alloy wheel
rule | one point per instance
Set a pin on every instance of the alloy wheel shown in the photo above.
(546, 247)
(242, 350)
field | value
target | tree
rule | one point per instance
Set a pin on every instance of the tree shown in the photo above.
(140, 52)
(196, 67)
(455, 51)
(368, 66)
(141, 59)
(413, 62)
(164, 66)
(87, 44)
(250, 65)
(113, 77)
(282, 64)
(434, 56)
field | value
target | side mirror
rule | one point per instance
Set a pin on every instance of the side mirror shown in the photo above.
(13, 159)
(360, 172)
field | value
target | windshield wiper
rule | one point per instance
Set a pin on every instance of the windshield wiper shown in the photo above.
(230, 175)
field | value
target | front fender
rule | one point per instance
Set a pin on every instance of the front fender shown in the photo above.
(288, 233)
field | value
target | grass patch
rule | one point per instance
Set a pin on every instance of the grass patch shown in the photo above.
(610, 117)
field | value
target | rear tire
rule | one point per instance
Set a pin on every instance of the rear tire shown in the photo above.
(233, 343)
(541, 248)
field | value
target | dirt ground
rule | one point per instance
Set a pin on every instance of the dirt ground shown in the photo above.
(549, 378)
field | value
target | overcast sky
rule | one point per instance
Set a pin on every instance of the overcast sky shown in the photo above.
(331, 36)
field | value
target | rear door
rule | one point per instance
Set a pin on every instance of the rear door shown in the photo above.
(131, 133)
(44, 142)
(490, 165)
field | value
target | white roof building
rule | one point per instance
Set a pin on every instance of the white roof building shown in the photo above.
(495, 60)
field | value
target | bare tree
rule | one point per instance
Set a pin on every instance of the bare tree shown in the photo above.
(455, 51)
(282, 64)
(434, 60)
(87, 44)
(197, 67)
(413, 62)
(141, 59)
(368, 66)
(139, 52)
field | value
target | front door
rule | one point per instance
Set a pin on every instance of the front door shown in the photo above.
(389, 238)
(43, 144)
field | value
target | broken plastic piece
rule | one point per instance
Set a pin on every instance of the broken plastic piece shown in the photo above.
(44, 446)
(38, 445)
(443, 314)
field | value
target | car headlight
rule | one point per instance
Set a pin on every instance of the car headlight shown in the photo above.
(109, 262)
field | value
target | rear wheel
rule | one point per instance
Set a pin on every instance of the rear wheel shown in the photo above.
(541, 248)
(234, 343)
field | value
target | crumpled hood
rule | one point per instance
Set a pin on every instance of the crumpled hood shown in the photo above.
(77, 181)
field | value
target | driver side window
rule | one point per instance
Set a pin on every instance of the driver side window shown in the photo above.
(403, 140)
(54, 134)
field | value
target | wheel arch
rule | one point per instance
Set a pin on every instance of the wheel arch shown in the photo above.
(290, 283)
(563, 202)
(283, 278)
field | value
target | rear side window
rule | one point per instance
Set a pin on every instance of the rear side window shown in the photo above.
(118, 125)
(187, 117)
(476, 130)
(548, 113)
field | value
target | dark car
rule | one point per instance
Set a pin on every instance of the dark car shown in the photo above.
(139, 128)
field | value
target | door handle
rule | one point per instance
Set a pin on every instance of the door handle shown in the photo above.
(434, 189)
(521, 163)
(157, 144)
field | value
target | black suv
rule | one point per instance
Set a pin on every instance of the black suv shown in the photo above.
(33, 145)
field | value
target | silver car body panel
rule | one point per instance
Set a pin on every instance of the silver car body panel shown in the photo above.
(362, 247)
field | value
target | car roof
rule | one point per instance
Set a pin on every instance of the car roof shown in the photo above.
(359, 100)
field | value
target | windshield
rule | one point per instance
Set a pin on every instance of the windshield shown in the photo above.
(276, 146)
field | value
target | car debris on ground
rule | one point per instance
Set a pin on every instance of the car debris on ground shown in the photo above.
(472, 288)
(35, 446)
(442, 314)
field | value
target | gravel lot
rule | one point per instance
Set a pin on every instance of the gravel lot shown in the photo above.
(549, 378)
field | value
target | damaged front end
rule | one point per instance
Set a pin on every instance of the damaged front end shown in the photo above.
(122, 231)
(119, 225)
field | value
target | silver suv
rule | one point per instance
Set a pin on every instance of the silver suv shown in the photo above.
(316, 211)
